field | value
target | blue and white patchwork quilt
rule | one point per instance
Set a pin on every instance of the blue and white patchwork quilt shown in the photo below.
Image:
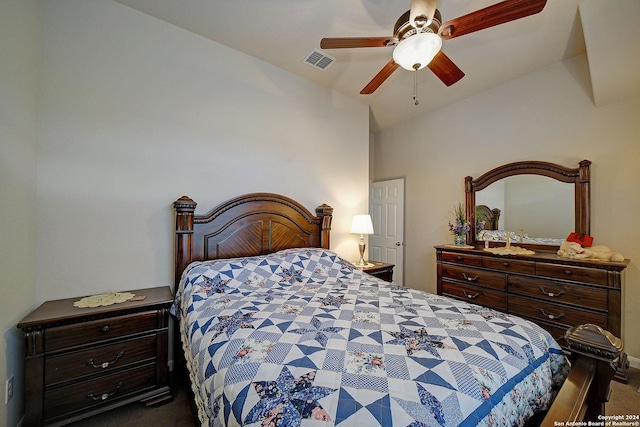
(303, 338)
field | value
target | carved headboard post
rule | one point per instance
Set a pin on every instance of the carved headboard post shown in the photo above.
(185, 208)
(325, 213)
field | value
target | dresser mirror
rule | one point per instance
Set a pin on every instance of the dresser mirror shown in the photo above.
(537, 203)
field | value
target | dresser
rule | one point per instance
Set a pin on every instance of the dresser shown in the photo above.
(554, 292)
(381, 270)
(83, 361)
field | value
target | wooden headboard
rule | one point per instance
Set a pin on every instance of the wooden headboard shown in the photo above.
(489, 216)
(253, 224)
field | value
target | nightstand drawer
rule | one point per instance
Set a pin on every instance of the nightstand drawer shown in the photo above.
(98, 360)
(102, 390)
(98, 330)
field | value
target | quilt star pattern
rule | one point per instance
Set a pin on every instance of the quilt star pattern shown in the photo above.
(303, 338)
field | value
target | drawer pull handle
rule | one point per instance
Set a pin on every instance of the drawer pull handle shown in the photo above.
(105, 329)
(551, 316)
(469, 278)
(567, 272)
(105, 365)
(470, 296)
(506, 264)
(459, 257)
(105, 396)
(551, 294)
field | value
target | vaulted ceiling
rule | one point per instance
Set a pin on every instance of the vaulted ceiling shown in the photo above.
(284, 32)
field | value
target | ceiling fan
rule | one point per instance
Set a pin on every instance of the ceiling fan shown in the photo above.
(418, 34)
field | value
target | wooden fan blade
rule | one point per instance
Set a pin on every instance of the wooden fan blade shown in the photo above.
(497, 14)
(349, 42)
(379, 78)
(445, 69)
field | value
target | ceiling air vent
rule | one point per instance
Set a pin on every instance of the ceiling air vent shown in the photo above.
(318, 59)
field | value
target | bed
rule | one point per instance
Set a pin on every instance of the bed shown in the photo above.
(277, 329)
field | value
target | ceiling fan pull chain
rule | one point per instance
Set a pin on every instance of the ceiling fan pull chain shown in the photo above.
(415, 86)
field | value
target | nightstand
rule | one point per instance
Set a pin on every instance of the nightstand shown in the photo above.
(381, 270)
(83, 361)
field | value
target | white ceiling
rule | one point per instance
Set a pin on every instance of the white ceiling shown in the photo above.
(284, 32)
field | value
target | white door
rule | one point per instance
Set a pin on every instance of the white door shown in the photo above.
(386, 207)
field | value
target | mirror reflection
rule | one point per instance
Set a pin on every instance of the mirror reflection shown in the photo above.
(536, 211)
(534, 208)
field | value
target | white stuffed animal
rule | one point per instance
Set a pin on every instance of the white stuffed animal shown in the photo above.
(576, 251)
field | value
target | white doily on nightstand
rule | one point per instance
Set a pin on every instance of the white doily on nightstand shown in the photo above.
(103, 299)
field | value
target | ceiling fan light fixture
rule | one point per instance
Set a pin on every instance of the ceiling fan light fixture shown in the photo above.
(415, 52)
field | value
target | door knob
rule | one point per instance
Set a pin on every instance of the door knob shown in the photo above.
(398, 244)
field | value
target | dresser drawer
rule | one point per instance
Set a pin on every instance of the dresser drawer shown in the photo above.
(553, 313)
(566, 293)
(98, 360)
(476, 295)
(474, 276)
(510, 265)
(98, 330)
(568, 272)
(99, 391)
(462, 258)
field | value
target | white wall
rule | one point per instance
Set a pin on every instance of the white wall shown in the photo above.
(19, 53)
(109, 115)
(547, 115)
(136, 113)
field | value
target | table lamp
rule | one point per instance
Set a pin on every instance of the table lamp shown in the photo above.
(362, 225)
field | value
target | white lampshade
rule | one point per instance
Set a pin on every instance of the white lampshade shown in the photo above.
(362, 224)
(415, 52)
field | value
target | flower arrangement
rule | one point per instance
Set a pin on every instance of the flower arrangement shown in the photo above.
(459, 226)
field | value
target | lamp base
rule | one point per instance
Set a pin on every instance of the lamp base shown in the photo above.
(362, 263)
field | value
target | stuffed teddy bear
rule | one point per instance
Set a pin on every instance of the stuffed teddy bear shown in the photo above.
(576, 251)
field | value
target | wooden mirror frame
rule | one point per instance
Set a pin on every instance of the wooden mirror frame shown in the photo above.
(579, 176)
